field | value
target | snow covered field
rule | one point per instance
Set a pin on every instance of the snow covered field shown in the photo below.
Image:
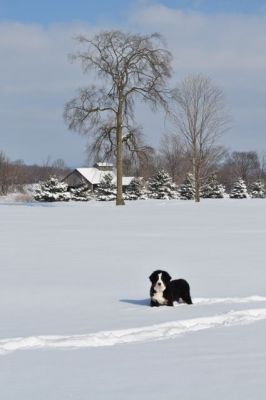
(75, 320)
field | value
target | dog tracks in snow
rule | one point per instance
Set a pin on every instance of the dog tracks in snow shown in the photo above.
(164, 331)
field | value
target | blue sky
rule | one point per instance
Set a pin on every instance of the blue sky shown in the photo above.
(49, 11)
(92, 11)
(223, 39)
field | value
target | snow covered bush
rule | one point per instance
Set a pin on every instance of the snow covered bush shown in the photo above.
(135, 190)
(161, 186)
(212, 189)
(24, 197)
(257, 190)
(239, 190)
(106, 190)
(52, 190)
(81, 193)
(187, 189)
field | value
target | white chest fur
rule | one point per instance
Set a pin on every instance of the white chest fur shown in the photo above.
(158, 296)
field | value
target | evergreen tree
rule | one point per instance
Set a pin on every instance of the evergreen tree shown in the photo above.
(187, 189)
(257, 190)
(160, 186)
(239, 190)
(106, 190)
(212, 189)
(81, 193)
(52, 190)
(135, 190)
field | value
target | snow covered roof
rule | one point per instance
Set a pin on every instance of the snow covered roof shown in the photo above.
(103, 164)
(127, 180)
(95, 175)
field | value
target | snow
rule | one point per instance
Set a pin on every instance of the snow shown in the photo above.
(144, 334)
(75, 315)
(95, 175)
(104, 164)
(126, 180)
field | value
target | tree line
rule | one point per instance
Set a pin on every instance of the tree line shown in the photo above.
(160, 186)
(171, 156)
(14, 175)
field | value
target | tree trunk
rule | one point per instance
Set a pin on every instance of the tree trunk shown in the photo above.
(119, 160)
(196, 172)
(197, 184)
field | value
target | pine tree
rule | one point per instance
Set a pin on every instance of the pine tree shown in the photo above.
(81, 193)
(187, 189)
(135, 190)
(160, 186)
(239, 190)
(212, 189)
(257, 190)
(106, 190)
(52, 190)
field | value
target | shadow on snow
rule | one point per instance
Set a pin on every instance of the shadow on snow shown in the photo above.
(140, 302)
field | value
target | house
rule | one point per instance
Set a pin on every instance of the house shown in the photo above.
(92, 176)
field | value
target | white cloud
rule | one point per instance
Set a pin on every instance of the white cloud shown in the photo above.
(36, 79)
(231, 49)
(219, 42)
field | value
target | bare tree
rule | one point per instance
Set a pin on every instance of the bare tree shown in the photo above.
(173, 157)
(200, 117)
(241, 164)
(245, 165)
(133, 162)
(5, 173)
(263, 166)
(131, 67)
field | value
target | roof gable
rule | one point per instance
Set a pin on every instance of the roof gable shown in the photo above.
(94, 176)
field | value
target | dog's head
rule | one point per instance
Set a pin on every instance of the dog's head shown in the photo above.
(159, 279)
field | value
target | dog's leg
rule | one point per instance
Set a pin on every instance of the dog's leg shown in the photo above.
(168, 295)
(154, 303)
(170, 301)
(187, 299)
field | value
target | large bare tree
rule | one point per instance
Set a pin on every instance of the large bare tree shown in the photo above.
(200, 117)
(130, 67)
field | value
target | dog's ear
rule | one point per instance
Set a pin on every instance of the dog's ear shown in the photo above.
(167, 277)
(153, 276)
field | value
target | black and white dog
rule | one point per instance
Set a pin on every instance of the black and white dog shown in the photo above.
(165, 292)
